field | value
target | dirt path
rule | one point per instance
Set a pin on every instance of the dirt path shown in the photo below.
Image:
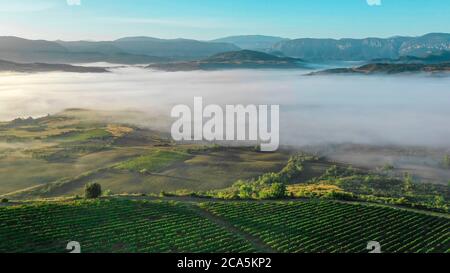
(255, 241)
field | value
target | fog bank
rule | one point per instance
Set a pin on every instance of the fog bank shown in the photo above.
(396, 110)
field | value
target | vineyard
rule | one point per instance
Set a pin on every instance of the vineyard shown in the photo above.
(162, 226)
(336, 227)
(113, 226)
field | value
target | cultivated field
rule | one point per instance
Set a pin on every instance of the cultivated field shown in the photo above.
(189, 226)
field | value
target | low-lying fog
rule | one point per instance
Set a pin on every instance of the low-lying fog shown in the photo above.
(397, 110)
(383, 111)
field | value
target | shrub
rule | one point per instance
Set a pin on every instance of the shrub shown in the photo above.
(107, 193)
(246, 191)
(4, 200)
(346, 196)
(407, 183)
(92, 190)
(274, 191)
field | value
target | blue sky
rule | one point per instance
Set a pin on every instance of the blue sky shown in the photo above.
(209, 19)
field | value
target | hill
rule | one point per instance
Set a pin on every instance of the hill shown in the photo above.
(6, 66)
(243, 59)
(389, 68)
(78, 146)
(252, 42)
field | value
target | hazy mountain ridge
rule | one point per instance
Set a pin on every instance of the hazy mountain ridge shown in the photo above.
(131, 50)
(252, 42)
(183, 48)
(364, 49)
(145, 50)
(441, 57)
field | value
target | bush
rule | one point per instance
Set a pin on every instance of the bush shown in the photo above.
(4, 200)
(107, 193)
(246, 191)
(345, 196)
(92, 190)
(274, 191)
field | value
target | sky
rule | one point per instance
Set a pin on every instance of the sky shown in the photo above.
(210, 19)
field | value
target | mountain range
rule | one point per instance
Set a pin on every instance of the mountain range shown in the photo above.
(145, 50)
(132, 50)
(252, 42)
(364, 49)
(435, 58)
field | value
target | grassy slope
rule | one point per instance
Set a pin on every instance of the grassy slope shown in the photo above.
(58, 155)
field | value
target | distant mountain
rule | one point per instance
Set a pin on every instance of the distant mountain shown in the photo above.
(145, 50)
(233, 60)
(133, 50)
(425, 45)
(6, 66)
(29, 51)
(252, 42)
(173, 48)
(342, 50)
(105, 48)
(15, 44)
(364, 49)
(442, 57)
(386, 68)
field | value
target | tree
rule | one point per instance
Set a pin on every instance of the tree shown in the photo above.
(293, 169)
(268, 179)
(332, 171)
(439, 201)
(92, 190)
(246, 191)
(407, 183)
(274, 191)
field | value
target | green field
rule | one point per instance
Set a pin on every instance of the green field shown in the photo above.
(190, 226)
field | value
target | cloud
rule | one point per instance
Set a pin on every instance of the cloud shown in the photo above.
(374, 2)
(74, 2)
